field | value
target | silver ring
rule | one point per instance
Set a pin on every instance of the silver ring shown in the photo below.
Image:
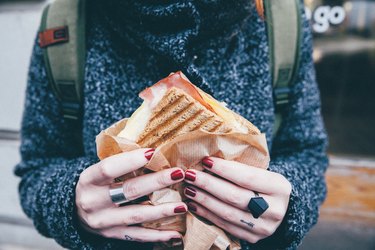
(116, 192)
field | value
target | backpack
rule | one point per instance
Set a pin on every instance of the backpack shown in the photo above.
(62, 36)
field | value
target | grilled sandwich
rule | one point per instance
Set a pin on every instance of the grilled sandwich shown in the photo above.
(174, 106)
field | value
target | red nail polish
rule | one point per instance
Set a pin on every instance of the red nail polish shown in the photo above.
(177, 174)
(190, 191)
(192, 207)
(149, 153)
(190, 175)
(180, 209)
(207, 162)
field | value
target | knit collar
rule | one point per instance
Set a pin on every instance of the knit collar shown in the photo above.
(170, 28)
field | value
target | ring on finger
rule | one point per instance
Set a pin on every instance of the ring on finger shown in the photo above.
(116, 192)
(257, 205)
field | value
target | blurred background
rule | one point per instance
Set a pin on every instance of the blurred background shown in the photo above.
(344, 54)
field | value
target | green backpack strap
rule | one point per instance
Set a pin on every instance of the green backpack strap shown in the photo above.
(284, 38)
(62, 37)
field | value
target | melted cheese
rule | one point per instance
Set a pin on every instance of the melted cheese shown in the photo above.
(136, 123)
(222, 111)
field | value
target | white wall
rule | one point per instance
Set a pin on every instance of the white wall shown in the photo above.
(19, 21)
(18, 26)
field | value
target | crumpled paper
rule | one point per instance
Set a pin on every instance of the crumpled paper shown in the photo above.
(186, 151)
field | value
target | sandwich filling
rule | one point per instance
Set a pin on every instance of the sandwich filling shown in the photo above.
(153, 95)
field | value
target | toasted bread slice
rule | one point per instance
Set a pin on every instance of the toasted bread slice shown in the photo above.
(178, 113)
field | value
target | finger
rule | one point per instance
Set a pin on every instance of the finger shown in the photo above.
(133, 214)
(140, 234)
(117, 165)
(148, 183)
(224, 190)
(227, 212)
(97, 197)
(249, 177)
(229, 227)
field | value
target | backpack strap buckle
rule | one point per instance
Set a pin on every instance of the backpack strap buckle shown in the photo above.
(71, 110)
(281, 98)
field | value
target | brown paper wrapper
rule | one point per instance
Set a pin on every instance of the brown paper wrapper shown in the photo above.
(186, 151)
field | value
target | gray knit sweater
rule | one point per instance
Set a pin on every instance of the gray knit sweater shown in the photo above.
(221, 45)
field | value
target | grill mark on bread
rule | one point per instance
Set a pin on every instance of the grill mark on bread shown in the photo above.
(159, 127)
(172, 110)
(172, 100)
(182, 128)
(178, 113)
(216, 128)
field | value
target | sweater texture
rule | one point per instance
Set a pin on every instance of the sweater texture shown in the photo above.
(221, 45)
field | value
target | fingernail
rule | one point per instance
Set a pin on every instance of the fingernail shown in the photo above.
(149, 153)
(207, 162)
(180, 209)
(176, 241)
(177, 175)
(190, 191)
(190, 175)
(192, 207)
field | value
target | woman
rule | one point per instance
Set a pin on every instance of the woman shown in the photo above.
(222, 47)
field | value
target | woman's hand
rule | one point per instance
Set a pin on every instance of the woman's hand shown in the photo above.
(99, 215)
(224, 201)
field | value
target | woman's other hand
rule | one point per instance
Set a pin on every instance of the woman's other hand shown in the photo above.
(97, 212)
(223, 198)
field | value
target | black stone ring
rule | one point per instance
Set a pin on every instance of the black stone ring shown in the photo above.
(257, 205)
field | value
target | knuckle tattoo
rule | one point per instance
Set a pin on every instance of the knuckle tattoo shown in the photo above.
(248, 223)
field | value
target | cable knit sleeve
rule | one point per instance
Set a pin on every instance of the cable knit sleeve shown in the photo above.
(299, 153)
(52, 160)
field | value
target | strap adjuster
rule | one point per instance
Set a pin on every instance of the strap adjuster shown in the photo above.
(71, 110)
(281, 98)
(53, 36)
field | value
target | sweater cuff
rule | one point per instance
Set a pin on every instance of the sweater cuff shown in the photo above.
(56, 201)
(299, 217)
